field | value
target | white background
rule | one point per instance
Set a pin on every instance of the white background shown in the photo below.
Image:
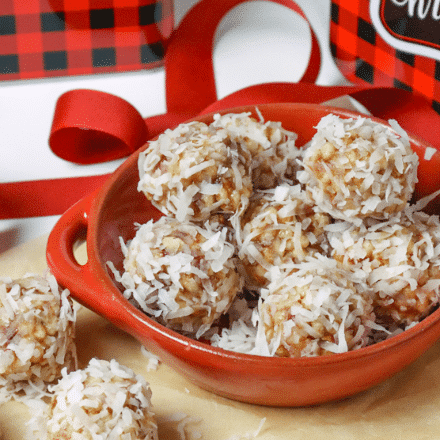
(257, 42)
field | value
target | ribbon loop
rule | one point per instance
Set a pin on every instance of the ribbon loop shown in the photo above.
(190, 81)
(91, 127)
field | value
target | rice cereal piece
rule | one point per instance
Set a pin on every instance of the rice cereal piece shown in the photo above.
(191, 173)
(181, 274)
(316, 309)
(400, 260)
(357, 168)
(104, 401)
(37, 330)
(272, 147)
(280, 226)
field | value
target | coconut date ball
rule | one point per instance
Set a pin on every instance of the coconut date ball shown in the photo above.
(315, 310)
(192, 172)
(356, 168)
(400, 261)
(181, 274)
(280, 227)
(37, 329)
(272, 148)
(105, 400)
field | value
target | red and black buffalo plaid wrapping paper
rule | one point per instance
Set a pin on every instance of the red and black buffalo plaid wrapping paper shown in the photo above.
(47, 38)
(363, 56)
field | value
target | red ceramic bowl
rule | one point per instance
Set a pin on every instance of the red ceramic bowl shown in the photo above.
(111, 212)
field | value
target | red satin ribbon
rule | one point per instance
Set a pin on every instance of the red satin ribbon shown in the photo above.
(44, 197)
(190, 82)
(91, 126)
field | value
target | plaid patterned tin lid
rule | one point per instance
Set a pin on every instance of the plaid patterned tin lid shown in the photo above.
(390, 43)
(46, 38)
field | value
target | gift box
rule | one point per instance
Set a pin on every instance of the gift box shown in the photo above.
(391, 43)
(47, 38)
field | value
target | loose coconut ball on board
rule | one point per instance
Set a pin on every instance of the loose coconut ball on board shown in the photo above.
(37, 329)
(280, 227)
(357, 168)
(272, 148)
(104, 401)
(400, 261)
(180, 273)
(192, 172)
(315, 310)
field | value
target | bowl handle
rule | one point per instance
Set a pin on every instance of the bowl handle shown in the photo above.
(71, 227)
(81, 279)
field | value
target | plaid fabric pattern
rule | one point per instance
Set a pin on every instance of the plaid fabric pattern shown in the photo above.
(46, 38)
(363, 56)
